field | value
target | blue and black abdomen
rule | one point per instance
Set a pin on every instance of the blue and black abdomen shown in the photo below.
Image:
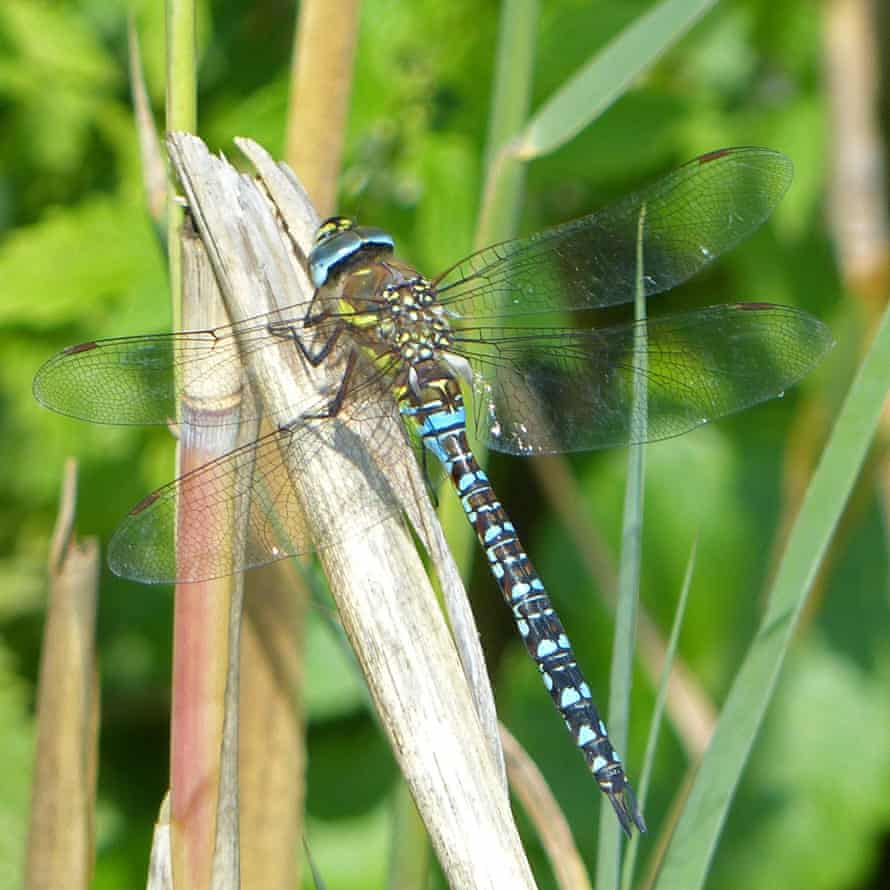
(443, 431)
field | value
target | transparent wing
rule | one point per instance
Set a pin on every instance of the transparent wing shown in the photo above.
(151, 544)
(183, 531)
(687, 219)
(138, 380)
(570, 390)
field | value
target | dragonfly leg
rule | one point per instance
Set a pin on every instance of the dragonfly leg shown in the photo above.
(289, 331)
(336, 403)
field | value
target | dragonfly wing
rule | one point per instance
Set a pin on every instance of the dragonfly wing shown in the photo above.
(138, 380)
(570, 390)
(684, 221)
(184, 530)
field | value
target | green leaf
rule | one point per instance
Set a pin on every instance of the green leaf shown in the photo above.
(15, 777)
(74, 258)
(606, 76)
(49, 40)
(812, 780)
(623, 646)
(658, 715)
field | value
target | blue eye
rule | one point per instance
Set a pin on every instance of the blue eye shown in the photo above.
(339, 241)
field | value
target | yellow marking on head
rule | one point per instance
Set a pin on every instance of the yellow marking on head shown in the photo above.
(332, 226)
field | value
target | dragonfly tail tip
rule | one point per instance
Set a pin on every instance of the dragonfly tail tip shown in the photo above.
(625, 805)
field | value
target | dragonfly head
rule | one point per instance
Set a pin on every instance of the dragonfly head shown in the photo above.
(342, 246)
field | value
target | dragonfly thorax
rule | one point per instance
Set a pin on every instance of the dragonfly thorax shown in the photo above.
(412, 322)
(394, 312)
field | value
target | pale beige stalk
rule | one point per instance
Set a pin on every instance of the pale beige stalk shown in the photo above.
(203, 731)
(321, 81)
(382, 593)
(273, 753)
(550, 822)
(60, 834)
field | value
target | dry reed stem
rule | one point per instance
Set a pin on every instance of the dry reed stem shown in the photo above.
(321, 81)
(273, 752)
(202, 631)
(60, 835)
(378, 582)
(858, 220)
(530, 786)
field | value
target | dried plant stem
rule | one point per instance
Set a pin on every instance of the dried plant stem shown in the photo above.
(858, 191)
(382, 592)
(549, 820)
(202, 628)
(860, 225)
(320, 88)
(858, 185)
(273, 754)
(60, 835)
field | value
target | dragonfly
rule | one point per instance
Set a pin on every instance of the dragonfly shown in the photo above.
(497, 329)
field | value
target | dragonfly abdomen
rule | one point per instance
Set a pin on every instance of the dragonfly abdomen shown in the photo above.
(443, 430)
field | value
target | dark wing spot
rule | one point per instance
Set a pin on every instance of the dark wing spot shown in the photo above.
(145, 503)
(80, 347)
(714, 155)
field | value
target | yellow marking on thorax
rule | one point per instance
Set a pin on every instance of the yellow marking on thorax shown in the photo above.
(360, 320)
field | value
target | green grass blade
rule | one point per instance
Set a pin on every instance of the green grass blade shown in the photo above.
(505, 178)
(606, 76)
(317, 880)
(608, 862)
(695, 839)
(658, 715)
(182, 114)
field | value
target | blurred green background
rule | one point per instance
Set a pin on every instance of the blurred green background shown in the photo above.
(79, 260)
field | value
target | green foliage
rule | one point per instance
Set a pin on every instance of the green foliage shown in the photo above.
(79, 260)
(336, 690)
(806, 772)
(689, 856)
(52, 258)
(16, 751)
